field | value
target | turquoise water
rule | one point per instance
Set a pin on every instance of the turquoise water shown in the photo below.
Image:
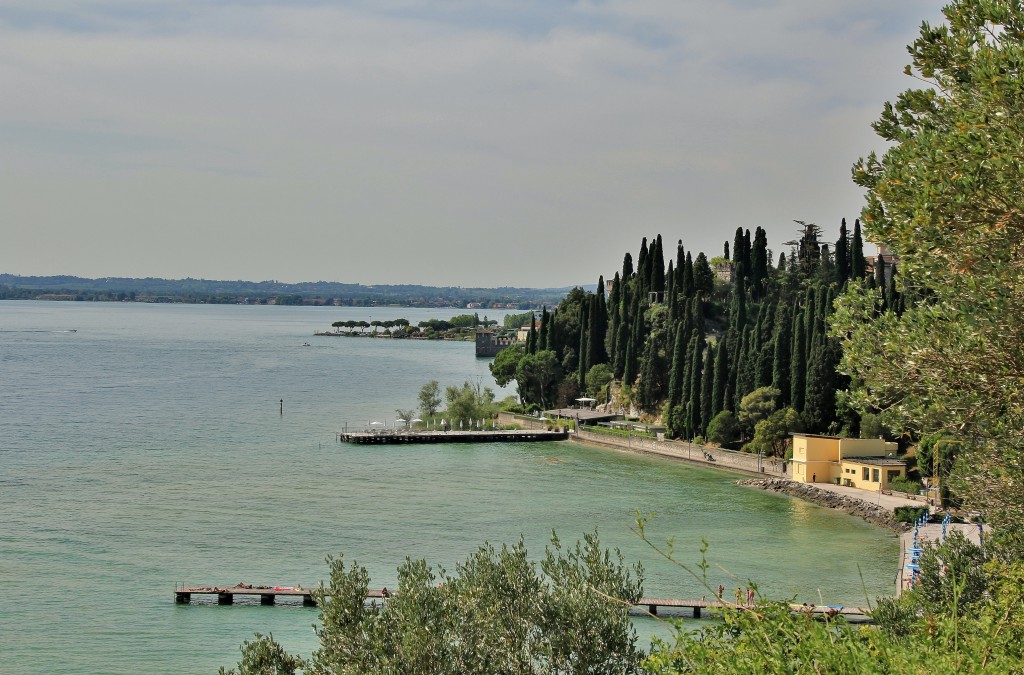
(147, 449)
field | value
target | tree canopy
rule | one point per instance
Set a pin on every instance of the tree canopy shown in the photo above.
(948, 199)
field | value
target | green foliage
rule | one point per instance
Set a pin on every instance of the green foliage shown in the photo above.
(469, 402)
(900, 484)
(909, 514)
(538, 375)
(517, 320)
(429, 399)
(498, 613)
(264, 656)
(872, 426)
(756, 406)
(771, 435)
(946, 198)
(724, 428)
(504, 365)
(598, 378)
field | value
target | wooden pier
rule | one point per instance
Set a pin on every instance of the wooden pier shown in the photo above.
(268, 596)
(494, 436)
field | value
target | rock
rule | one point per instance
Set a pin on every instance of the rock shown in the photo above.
(872, 513)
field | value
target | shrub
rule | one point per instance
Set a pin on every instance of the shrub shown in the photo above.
(909, 514)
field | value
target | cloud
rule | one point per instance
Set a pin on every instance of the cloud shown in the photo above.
(484, 143)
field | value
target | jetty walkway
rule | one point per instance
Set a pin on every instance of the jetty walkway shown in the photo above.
(434, 436)
(268, 596)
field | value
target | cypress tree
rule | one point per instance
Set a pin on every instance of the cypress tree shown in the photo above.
(781, 362)
(810, 323)
(721, 378)
(627, 267)
(703, 276)
(857, 267)
(599, 329)
(584, 348)
(629, 363)
(842, 254)
(658, 268)
(892, 296)
(613, 314)
(621, 351)
(765, 374)
(531, 339)
(746, 260)
(725, 253)
(680, 264)
(652, 372)
(745, 367)
(880, 274)
(738, 308)
(675, 380)
(689, 288)
(798, 365)
(643, 268)
(545, 330)
(737, 253)
(693, 404)
(759, 264)
(706, 391)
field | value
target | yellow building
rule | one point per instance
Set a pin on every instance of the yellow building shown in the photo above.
(866, 463)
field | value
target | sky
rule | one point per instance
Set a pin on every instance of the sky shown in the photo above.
(477, 143)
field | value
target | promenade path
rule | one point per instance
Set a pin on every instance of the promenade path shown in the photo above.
(733, 460)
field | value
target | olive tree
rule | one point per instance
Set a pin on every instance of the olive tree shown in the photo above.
(499, 612)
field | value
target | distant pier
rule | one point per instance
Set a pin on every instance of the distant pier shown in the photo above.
(493, 436)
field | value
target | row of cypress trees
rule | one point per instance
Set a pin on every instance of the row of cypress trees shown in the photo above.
(687, 346)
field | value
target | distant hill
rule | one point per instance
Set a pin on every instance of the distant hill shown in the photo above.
(271, 292)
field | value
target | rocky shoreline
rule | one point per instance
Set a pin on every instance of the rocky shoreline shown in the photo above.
(872, 513)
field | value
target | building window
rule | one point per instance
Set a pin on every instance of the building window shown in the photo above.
(866, 474)
(874, 475)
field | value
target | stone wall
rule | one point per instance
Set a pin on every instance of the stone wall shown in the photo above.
(872, 513)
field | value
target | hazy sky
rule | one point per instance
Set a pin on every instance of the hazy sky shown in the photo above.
(449, 142)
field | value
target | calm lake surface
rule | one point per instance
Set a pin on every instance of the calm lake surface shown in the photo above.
(147, 449)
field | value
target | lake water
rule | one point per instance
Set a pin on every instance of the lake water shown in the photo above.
(147, 449)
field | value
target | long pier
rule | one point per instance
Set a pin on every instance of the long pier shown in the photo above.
(268, 596)
(493, 436)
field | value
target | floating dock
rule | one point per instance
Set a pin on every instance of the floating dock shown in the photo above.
(494, 436)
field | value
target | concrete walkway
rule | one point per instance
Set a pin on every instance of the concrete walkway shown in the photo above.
(889, 502)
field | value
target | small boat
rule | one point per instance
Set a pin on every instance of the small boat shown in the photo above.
(305, 344)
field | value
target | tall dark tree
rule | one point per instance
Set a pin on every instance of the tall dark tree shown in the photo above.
(675, 380)
(858, 268)
(657, 284)
(737, 254)
(707, 390)
(703, 276)
(843, 254)
(738, 306)
(718, 395)
(783, 343)
(798, 365)
(693, 405)
(544, 337)
(613, 317)
(583, 349)
(759, 264)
